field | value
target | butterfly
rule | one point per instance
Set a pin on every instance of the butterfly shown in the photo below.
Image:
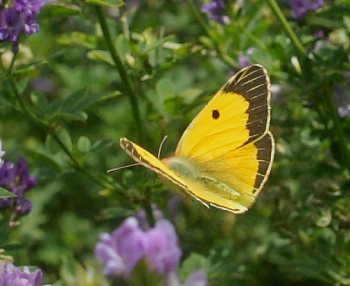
(224, 157)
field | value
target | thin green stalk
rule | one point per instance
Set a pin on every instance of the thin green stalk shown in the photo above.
(80, 167)
(293, 37)
(149, 214)
(251, 36)
(230, 61)
(199, 17)
(121, 70)
(327, 103)
(9, 72)
(23, 106)
(45, 127)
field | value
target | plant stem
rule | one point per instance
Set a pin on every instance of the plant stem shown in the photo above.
(293, 37)
(121, 70)
(149, 212)
(199, 17)
(46, 129)
(230, 61)
(327, 102)
(9, 72)
(251, 36)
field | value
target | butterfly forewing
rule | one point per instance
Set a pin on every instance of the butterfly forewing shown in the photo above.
(229, 138)
(236, 115)
(193, 186)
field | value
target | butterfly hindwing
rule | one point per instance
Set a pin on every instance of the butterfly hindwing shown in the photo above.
(243, 170)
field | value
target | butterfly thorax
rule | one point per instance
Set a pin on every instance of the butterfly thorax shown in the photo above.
(182, 166)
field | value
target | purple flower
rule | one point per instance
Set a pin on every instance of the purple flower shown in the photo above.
(319, 34)
(341, 96)
(19, 18)
(301, 7)
(173, 206)
(341, 99)
(2, 153)
(11, 275)
(215, 11)
(142, 217)
(162, 249)
(16, 178)
(243, 61)
(244, 58)
(44, 85)
(120, 251)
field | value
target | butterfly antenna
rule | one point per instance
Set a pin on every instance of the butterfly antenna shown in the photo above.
(161, 145)
(123, 167)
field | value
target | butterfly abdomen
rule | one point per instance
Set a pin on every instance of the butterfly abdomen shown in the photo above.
(185, 167)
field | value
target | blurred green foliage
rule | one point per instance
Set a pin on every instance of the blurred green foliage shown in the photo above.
(99, 70)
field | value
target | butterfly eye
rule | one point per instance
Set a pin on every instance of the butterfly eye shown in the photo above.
(215, 114)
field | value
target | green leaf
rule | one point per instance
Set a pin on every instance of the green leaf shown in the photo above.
(29, 67)
(6, 194)
(41, 102)
(59, 10)
(78, 39)
(78, 101)
(74, 116)
(84, 144)
(165, 87)
(65, 138)
(102, 56)
(112, 95)
(193, 263)
(4, 231)
(68, 108)
(347, 23)
(109, 3)
(123, 45)
(101, 145)
(322, 217)
(191, 94)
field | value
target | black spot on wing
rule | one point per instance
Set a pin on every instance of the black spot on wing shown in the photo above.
(215, 114)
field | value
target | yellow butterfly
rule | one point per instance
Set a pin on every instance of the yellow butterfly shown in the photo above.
(225, 155)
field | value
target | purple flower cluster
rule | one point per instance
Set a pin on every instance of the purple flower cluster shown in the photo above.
(301, 7)
(341, 97)
(21, 17)
(243, 60)
(216, 11)
(11, 275)
(16, 178)
(121, 250)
